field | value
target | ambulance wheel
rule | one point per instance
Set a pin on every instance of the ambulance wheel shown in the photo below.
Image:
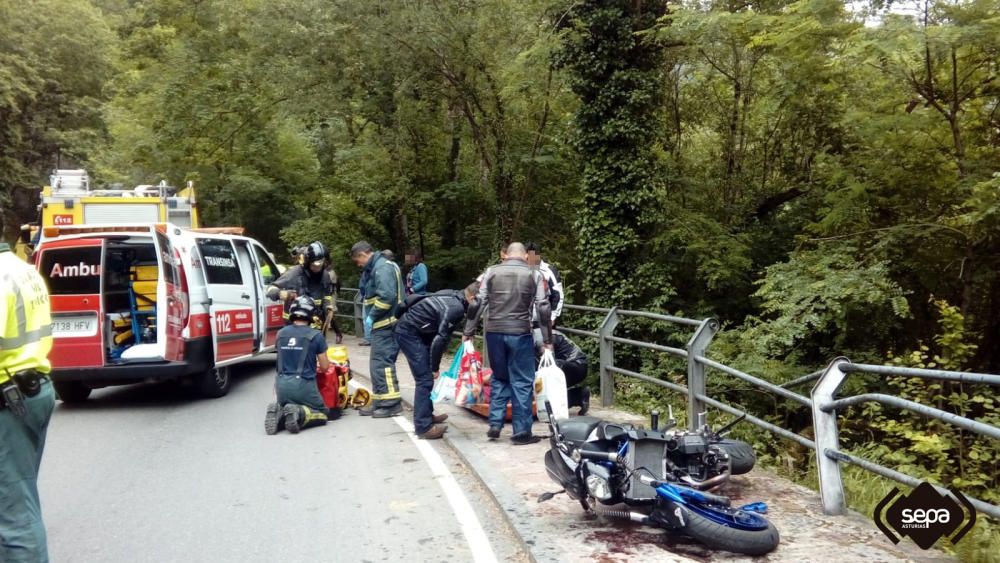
(214, 382)
(71, 391)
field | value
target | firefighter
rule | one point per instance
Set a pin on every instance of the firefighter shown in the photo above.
(314, 277)
(383, 292)
(26, 405)
(300, 348)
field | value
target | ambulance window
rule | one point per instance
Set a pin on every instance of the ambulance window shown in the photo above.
(72, 271)
(268, 271)
(168, 262)
(219, 257)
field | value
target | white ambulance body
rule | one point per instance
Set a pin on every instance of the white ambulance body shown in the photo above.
(155, 301)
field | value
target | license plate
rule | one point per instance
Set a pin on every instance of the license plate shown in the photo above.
(75, 326)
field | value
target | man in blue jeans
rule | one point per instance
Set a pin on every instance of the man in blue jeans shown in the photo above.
(422, 333)
(511, 290)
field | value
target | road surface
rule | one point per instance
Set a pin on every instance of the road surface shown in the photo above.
(148, 473)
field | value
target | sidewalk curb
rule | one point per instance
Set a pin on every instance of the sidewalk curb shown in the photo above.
(508, 501)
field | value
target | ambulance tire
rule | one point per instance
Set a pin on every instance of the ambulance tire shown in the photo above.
(71, 391)
(214, 382)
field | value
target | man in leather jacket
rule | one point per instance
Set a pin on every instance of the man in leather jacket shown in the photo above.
(511, 289)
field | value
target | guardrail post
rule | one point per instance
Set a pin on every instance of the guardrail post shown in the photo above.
(359, 323)
(831, 485)
(607, 349)
(696, 346)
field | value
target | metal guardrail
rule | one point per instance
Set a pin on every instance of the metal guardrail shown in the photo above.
(822, 400)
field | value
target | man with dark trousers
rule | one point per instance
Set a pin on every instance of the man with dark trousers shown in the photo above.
(26, 404)
(300, 348)
(383, 293)
(511, 290)
(423, 333)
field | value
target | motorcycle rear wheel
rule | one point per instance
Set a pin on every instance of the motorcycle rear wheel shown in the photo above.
(741, 456)
(720, 536)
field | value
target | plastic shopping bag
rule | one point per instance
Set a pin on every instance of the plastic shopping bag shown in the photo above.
(550, 385)
(447, 383)
(471, 378)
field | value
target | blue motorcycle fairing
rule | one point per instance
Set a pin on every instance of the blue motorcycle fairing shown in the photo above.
(727, 516)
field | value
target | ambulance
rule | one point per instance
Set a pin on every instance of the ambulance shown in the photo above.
(155, 301)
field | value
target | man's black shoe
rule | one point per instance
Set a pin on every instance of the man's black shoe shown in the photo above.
(525, 438)
(386, 412)
(584, 401)
(493, 433)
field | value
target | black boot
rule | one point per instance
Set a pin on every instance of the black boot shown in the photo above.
(273, 419)
(293, 418)
(584, 401)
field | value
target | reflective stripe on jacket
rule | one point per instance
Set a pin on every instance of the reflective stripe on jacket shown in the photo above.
(25, 318)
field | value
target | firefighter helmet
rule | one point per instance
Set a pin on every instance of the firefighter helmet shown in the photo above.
(302, 308)
(316, 251)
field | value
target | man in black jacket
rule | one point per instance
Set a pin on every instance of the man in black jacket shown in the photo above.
(423, 333)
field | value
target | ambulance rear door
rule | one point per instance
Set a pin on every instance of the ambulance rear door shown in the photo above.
(230, 300)
(72, 269)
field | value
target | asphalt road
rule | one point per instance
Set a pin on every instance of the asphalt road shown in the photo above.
(148, 473)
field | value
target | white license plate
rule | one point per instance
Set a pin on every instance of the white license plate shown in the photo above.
(74, 326)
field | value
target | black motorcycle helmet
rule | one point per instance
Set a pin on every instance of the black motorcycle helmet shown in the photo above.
(302, 309)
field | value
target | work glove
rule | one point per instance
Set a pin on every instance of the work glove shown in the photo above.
(368, 328)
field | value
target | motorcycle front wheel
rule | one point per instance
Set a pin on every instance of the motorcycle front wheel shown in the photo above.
(730, 529)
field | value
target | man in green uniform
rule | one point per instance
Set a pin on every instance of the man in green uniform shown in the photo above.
(300, 348)
(26, 405)
(382, 293)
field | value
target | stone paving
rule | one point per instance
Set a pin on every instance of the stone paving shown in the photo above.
(558, 530)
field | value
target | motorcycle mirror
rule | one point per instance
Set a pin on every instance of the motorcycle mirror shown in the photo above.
(654, 420)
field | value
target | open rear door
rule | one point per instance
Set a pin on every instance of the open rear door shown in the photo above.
(173, 288)
(231, 303)
(72, 269)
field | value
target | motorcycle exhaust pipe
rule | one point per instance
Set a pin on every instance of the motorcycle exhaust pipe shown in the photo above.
(707, 483)
(623, 515)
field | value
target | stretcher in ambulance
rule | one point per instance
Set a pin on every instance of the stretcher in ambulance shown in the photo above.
(154, 302)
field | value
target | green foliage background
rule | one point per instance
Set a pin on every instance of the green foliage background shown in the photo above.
(823, 180)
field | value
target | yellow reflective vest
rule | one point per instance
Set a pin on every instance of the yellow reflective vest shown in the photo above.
(25, 319)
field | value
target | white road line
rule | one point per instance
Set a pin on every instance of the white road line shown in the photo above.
(482, 551)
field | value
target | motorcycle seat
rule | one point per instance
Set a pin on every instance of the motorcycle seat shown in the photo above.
(578, 428)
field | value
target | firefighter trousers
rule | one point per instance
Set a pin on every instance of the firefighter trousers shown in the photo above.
(382, 368)
(22, 533)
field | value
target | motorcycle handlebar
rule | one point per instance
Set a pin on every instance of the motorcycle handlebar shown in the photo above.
(603, 456)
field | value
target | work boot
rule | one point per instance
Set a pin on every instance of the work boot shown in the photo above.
(293, 418)
(434, 433)
(273, 419)
(367, 410)
(493, 433)
(584, 401)
(439, 418)
(312, 417)
(386, 412)
(334, 413)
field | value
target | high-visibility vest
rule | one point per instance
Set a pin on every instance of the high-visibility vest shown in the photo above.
(25, 318)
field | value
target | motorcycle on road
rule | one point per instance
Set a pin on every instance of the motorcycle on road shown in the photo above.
(658, 477)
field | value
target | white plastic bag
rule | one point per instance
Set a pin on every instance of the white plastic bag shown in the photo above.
(552, 382)
(444, 390)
